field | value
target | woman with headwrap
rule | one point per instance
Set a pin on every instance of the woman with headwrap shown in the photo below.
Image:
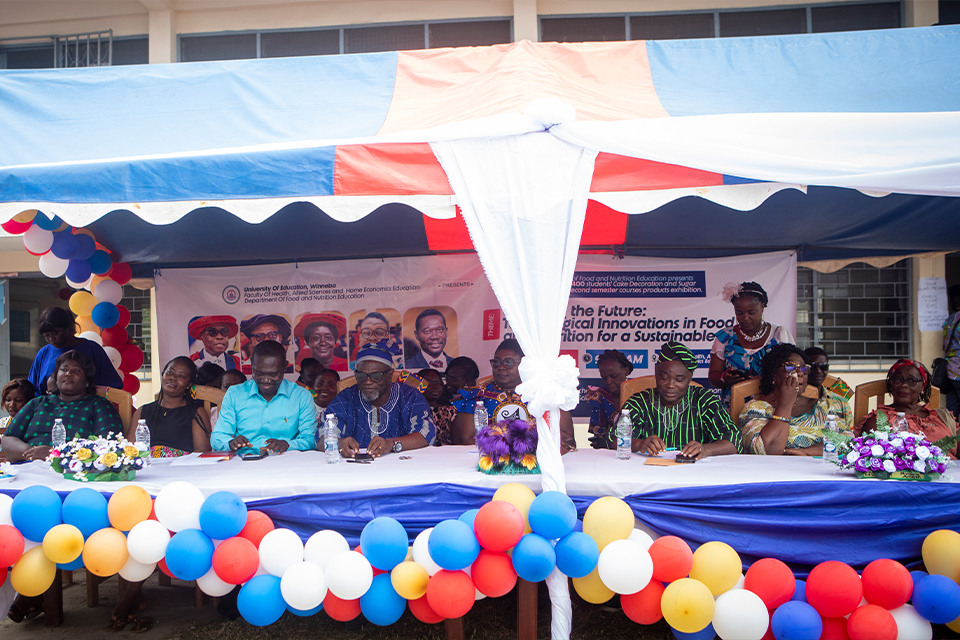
(605, 403)
(675, 414)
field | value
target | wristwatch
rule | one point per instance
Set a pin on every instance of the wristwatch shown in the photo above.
(397, 446)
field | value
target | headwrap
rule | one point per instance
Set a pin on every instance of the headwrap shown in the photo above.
(904, 362)
(678, 352)
(375, 352)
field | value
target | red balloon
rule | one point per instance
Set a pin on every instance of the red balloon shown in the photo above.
(871, 622)
(834, 589)
(887, 583)
(493, 573)
(236, 560)
(124, 318)
(121, 273)
(498, 525)
(3, 576)
(643, 607)
(153, 511)
(341, 610)
(672, 558)
(834, 629)
(769, 634)
(258, 525)
(131, 358)
(451, 593)
(15, 228)
(65, 293)
(11, 545)
(772, 580)
(163, 567)
(35, 254)
(115, 337)
(422, 611)
(131, 383)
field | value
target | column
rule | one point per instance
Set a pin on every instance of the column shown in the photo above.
(525, 25)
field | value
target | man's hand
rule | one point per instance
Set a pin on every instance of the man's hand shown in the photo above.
(239, 443)
(275, 446)
(692, 449)
(379, 446)
(653, 446)
(349, 447)
(36, 453)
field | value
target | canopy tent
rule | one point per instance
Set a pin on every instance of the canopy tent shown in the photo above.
(519, 137)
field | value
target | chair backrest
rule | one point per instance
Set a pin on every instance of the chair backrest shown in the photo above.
(631, 386)
(411, 379)
(209, 396)
(122, 400)
(484, 381)
(878, 389)
(743, 390)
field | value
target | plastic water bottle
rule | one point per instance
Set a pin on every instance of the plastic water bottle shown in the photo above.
(624, 436)
(479, 418)
(900, 422)
(331, 439)
(58, 435)
(830, 454)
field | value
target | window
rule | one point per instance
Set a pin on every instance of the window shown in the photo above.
(27, 57)
(583, 29)
(281, 44)
(763, 23)
(97, 49)
(387, 38)
(860, 315)
(476, 33)
(138, 302)
(220, 47)
(857, 17)
(134, 50)
(19, 326)
(671, 27)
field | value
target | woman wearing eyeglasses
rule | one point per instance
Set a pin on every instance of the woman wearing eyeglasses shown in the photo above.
(908, 382)
(780, 421)
(837, 395)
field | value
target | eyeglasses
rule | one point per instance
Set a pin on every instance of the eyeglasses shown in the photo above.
(270, 335)
(222, 332)
(506, 363)
(820, 366)
(379, 334)
(799, 368)
(899, 381)
(376, 376)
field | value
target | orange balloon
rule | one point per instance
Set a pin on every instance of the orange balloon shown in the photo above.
(129, 506)
(105, 552)
(33, 573)
(26, 216)
(81, 231)
(86, 323)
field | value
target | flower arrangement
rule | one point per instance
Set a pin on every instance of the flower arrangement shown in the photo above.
(886, 453)
(729, 290)
(508, 447)
(102, 459)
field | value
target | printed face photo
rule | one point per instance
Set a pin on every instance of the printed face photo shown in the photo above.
(430, 340)
(322, 336)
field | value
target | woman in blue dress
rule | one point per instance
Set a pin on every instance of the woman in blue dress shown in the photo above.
(605, 402)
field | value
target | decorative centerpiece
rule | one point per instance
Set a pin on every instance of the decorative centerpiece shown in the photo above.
(109, 459)
(7, 472)
(888, 454)
(508, 447)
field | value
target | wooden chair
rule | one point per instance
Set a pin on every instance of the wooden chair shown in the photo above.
(122, 400)
(481, 382)
(878, 389)
(345, 383)
(743, 390)
(210, 396)
(636, 385)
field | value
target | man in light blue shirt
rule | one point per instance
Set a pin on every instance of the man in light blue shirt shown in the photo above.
(268, 412)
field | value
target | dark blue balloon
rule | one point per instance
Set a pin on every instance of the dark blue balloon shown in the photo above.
(577, 554)
(42, 221)
(85, 247)
(78, 271)
(800, 593)
(578, 525)
(306, 614)
(260, 601)
(468, 517)
(105, 315)
(36, 510)
(384, 543)
(452, 545)
(86, 509)
(381, 604)
(916, 575)
(707, 633)
(65, 246)
(223, 515)
(937, 598)
(76, 565)
(794, 620)
(534, 558)
(552, 515)
(100, 262)
(189, 554)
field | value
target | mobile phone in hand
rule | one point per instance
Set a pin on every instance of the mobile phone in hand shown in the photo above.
(253, 455)
(682, 459)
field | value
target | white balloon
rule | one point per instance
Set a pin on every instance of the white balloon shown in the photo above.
(421, 554)
(178, 504)
(114, 356)
(5, 503)
(322, 546)
(261, 571)
(79, 285)
(303, 586)
(30, 544)
(740, 582)
(52, 266)
(625, 566)
(642, 538)
(134, 571)
(279, 550)
(93, 336)
(211, 584)
(349, 575)
(740, 615)
(108, 291)
(147, 541)
(478, 595)
(37, 240)
(910, 624)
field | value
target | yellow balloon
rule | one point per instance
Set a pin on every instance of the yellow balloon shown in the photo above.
(129, 506)
(941, 553)
(519, 496)
(82, 303)
(409, 579)
(26, 216)
(105, 552)
(33, 573)
(86, 323)
(954, 626)
(97, 280)
(608, 519)
(687, 605)
(591, 588)
(716, 565)
(409, 554)
(63, 543)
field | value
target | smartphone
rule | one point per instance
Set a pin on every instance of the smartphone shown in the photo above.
(253, 455)
(363, 456)
(684, 459)
(361, 461)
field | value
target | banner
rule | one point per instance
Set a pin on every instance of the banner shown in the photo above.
(432, 309)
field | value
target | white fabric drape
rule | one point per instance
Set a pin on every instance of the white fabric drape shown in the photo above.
(524, 199)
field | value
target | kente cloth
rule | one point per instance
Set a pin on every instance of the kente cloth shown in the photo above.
(804, 431)
(500, 405)
(698, 416)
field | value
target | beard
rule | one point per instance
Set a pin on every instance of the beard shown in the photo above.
(370, 395)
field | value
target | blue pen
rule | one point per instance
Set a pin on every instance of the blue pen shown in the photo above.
(670, 449)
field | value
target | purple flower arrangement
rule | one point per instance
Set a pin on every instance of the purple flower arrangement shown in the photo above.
(885, 452)
(508, 447)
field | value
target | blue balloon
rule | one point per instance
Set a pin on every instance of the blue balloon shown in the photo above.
(916, 575)
(452, 545)
(468, 517)
(795, 620)
(552, 515)
(78, 271)
(86, 509)
(577, 554)
(105, 314)
(36, 510)
(937, 598)
(189, 554)
(260, 601)
(534, 558)
(42, 221)
(384, 543)
(65, 246)
(76, 565)
(306, 614)
(381, 604)
(707, 633)
(578, 525)
(100, 262)
(223, 514)
(85, 247)
(800, 593)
